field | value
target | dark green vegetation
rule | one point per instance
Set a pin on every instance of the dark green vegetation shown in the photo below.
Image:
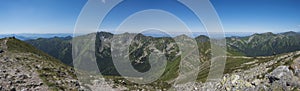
(266, 44)
(58, 47)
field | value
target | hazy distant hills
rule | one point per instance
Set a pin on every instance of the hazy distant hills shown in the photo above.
(193, 34)
(28, 36)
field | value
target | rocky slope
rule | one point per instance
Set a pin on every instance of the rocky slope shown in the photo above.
(277, 73)
(24, 68)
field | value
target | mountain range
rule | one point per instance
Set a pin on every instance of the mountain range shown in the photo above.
(265, 44)
(264, 61)
(32, 36)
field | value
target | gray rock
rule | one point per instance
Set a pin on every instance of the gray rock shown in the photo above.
(282, 73)
(20, 81)
(22, 77)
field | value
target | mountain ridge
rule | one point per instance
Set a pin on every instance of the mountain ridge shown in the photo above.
(236, 45)
(141, 45)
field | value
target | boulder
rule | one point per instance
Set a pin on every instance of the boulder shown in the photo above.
(282, 78)
(282, 72)
(23, 77)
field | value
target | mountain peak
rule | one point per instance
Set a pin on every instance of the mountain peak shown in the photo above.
(264, 34)
(290, 33)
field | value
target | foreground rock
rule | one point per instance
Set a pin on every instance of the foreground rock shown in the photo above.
(278, 74)
(24, 68)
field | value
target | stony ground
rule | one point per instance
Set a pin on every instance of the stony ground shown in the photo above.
(31, 72)
(279, 74)
(27, 72)
(15, 76)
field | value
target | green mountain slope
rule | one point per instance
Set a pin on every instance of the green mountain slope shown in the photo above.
(58, 47)
(265, 44)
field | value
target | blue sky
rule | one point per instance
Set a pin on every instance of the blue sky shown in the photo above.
(59, 16)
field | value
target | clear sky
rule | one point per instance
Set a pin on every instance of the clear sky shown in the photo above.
(59, 16)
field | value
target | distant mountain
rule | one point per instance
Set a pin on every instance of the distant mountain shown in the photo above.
(193, 34)
(265, 44)
(30, 36)
(35, 36)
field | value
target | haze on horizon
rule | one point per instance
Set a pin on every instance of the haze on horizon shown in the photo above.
(59, 16)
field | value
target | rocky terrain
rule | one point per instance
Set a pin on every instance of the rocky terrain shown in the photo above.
(281, 73)
(25, 70)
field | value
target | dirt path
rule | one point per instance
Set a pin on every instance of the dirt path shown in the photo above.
(4, 44)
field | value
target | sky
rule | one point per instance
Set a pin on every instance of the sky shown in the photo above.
(60, 16)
